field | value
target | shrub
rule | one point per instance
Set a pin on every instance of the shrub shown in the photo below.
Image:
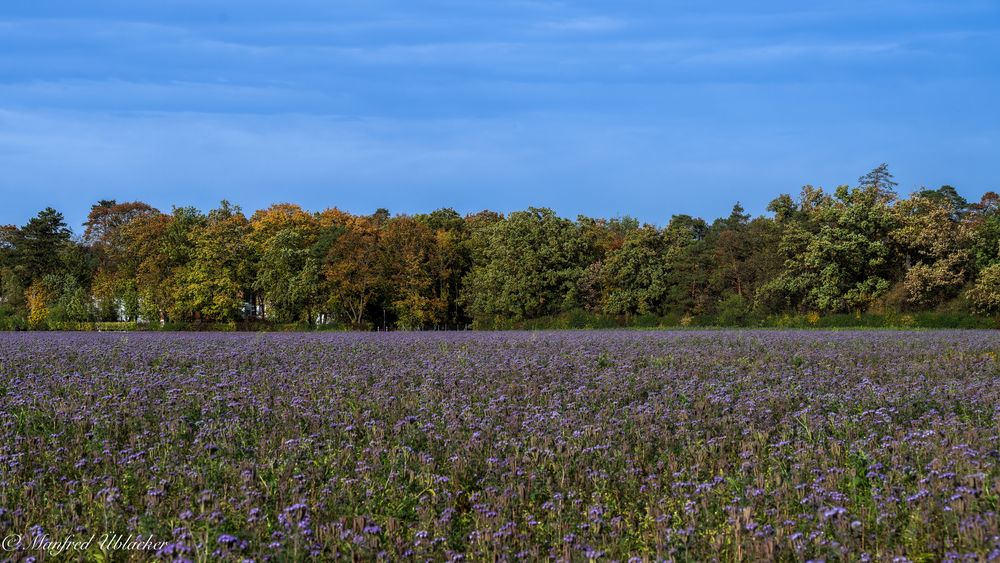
(734, 310)
(985, 295)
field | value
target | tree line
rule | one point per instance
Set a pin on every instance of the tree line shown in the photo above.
(855, 249)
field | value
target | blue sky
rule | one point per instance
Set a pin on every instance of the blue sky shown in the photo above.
(645, 108)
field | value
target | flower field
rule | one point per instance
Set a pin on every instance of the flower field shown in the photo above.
(697, 446)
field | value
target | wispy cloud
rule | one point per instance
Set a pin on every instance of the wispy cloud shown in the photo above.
(493, 103)
(771, 53)
(596, 24)
(125, 95)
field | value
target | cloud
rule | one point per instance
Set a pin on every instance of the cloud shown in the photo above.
(126, 95)
(779, 52)
(552, 41)
(586, 105)
(89, 29)
(596, 24)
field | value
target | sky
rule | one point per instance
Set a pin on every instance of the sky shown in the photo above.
(625, 107)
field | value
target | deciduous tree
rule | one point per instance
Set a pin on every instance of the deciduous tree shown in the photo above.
(525, 266)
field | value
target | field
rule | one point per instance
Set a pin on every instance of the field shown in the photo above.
(568, 445)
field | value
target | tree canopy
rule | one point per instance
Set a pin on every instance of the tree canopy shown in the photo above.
(856, 249)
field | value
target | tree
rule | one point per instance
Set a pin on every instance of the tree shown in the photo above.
(732, 249)
(688, 261)
(453, 251)
(38, 245)
(28, 255)
(411, 269)
(11, 290)
(37, 297)
(635, 276)
(158, 247)
(287, 278)
(854, 249)
(105, 237)
(107, 218)
(985, 295)
(144, 268)
(68, 299)
(984, 223)
(7, 235)
(604, 236)
(210, 285)
(855, 252)
(933, 242)
(878, 183)
(745, 255)
(351, 269)
(949, 197)
(839, 250)
(590, 289)
(784, 208)
(526, 266)
(444, 219)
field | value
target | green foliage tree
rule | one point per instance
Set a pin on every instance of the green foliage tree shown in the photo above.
(209, 285)
(732, 249)
(688, 259)
(68, 300)
(839, 249)
(453, 251)
(984, 221)
(525, 266)
(636, 275)
(11, 288)
(284, 240)
(948, 197)
(287, 275)
(37, 247)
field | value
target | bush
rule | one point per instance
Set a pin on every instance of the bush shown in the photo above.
(646, 321)
(953, 320)
(672, 319)
(733, 311)
(12, 322)
(985, 296)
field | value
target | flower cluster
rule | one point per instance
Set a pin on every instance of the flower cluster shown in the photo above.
(617, 445)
